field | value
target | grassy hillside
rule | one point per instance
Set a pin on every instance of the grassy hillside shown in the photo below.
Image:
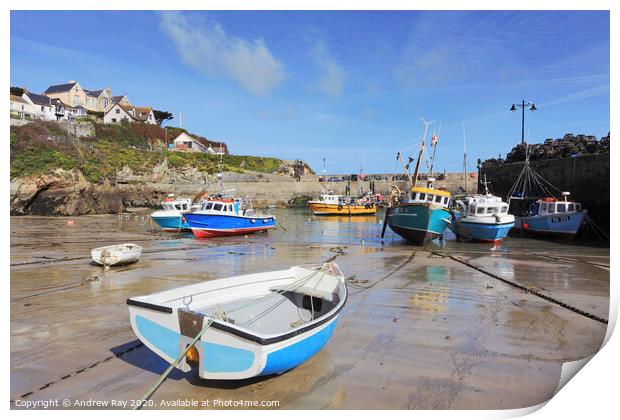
(41, 147)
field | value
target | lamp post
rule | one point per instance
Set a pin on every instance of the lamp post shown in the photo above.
(522, 105)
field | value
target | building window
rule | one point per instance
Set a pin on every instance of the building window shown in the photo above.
(118, 111)
(113, 119)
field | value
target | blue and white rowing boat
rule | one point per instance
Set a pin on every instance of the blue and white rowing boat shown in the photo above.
(260, 324)
(170, 217)
(222, 216)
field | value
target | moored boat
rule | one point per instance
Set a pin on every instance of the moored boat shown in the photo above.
(226, 216)
(420, 214)
(116, 254)
(552, 217)
(170, 217)
(250, 325)
(330, 204)
(481, 217)
(537, 209)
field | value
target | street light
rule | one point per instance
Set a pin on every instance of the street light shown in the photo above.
(522, 105)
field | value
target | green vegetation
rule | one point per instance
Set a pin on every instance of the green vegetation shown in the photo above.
(40, 148)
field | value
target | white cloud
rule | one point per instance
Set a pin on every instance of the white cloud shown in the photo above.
(331, 75)
(207, 48)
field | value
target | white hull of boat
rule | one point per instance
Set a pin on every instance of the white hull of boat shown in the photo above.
(116, 254)
(262, 324)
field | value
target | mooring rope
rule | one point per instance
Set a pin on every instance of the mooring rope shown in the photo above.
(147, 396)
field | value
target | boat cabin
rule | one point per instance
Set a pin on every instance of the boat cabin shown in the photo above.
(429, 195)
(171, 204)
(331, 199)
(482, 205)
(552, 206)
(226, 206)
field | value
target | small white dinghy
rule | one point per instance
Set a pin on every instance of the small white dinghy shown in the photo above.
(251, 325)
(116, 254)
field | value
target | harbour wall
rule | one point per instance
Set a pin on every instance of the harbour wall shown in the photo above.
(586, 177)
(285, 191)
(68, 193)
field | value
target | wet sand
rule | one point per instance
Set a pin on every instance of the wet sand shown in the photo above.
(420, 330)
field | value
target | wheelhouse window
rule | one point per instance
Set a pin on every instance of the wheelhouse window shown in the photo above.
(490, 210)
(217, 207)
(430, 197)
(543, 206)
(421, 196)
(577, 206)
(551, 208)
(438, 199)
(561, 207)
(504, 209)
(207, 206)
(480, 210)
(445, 201)
(571, 207)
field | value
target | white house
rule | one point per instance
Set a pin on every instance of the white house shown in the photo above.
(20, 108)
(41, 106)
(186, 143)
(121, 111)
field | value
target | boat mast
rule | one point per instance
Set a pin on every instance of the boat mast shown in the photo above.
(220, 175)
(417, 165)
(434, 141)
(465, 160)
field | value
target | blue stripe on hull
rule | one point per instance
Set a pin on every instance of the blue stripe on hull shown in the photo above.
(566, 224)
(221, 222)
(294, 355)
(481, 231)
(171, 222)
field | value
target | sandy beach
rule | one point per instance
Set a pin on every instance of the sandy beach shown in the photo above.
(423, 327)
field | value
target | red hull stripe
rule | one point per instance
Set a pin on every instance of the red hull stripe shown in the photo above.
(211, 233)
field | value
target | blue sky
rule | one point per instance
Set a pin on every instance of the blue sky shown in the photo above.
(347, 86)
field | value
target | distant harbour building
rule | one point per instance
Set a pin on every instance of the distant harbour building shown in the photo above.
(122, 112)
(186, 143)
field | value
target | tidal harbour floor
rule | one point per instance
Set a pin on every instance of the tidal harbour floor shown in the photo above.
(453, 325)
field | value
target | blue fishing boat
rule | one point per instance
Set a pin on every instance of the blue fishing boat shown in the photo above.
(539, 211)
(420, 214)
(170, 217)
(481, 217)
(226, 216)
(552, 217)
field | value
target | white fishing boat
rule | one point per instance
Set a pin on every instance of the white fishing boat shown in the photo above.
(250, 325)
(481, 217)
(116, 254)
(170, 217)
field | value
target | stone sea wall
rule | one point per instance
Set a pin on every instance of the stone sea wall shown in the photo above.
(68, 193)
